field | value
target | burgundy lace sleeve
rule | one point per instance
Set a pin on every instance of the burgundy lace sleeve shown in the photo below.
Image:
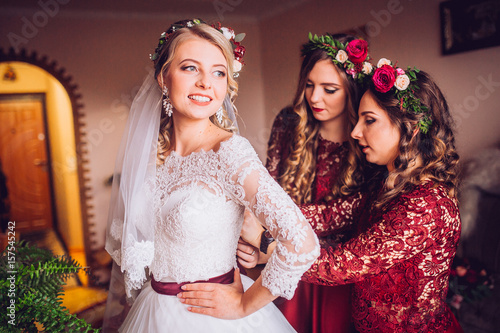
(334, 215)
(278, 142)
(418, 232)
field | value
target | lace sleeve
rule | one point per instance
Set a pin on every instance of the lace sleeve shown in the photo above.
(297, 246)
(411, 226)
(278, 143)
(326, 218)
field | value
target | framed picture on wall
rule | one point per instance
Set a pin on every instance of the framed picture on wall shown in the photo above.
(469, 25)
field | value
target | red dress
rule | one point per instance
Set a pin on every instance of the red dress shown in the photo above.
(399, 263)
(314, 308)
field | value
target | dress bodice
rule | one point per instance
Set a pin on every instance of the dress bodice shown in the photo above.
(199, 201)
(329, 158)
(198, 222)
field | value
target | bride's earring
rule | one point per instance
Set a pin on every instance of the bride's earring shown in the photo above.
(166, 102)
(219, 114)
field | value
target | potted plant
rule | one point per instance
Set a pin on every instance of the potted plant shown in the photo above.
(31, 286)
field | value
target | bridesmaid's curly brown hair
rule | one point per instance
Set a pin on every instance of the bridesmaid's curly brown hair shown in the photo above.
(430, 156)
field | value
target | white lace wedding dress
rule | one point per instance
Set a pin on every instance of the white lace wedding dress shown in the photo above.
(200, 203)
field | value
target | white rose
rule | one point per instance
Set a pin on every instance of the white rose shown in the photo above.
(367, 68)
(402, 82)
(382, 62)
(341, 56)
(237, 66)
(228, 33)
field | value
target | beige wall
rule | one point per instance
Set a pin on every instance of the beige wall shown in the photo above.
(107, 55)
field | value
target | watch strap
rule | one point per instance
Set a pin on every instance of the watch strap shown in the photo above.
(265, 239)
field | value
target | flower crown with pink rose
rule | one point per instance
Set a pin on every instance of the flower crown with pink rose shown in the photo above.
(235, 40)
(351, 56)
(403, 84)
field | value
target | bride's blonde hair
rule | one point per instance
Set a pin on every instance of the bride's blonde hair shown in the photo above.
(162, 66)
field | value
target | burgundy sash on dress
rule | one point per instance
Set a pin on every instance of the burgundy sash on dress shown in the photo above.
(172, 288)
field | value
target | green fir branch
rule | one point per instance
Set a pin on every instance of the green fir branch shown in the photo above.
(39, 279)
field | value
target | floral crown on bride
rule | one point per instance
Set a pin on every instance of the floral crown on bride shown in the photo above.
(351, 56)
(387, 78)
(235, 40)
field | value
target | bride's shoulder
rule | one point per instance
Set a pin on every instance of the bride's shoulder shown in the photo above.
(237, 148)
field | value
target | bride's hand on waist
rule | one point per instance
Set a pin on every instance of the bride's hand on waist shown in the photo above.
(226, 301)
(215, 299)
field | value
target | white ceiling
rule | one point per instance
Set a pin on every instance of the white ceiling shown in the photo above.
(207, 9)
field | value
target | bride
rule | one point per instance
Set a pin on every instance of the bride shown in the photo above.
(182, 182)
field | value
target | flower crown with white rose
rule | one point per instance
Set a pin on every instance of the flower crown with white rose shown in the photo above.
(351, 56)
(403, 84)
(235, 40)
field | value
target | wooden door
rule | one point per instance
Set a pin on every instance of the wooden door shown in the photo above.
(25, 162)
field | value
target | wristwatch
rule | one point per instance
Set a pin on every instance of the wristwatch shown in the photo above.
(265, 239)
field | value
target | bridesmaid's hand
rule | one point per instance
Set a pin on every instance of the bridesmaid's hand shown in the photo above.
(248, 255)
(217, 300)
(251, 229)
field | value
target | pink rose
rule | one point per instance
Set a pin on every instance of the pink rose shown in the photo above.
(357, 50)
(400, 71)
(384, 78)
(461, 271)
(352, 72)
(456, 301)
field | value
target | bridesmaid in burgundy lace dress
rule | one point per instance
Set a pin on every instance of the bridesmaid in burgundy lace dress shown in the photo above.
(308, 151)
(314, 308)
(400, 259)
